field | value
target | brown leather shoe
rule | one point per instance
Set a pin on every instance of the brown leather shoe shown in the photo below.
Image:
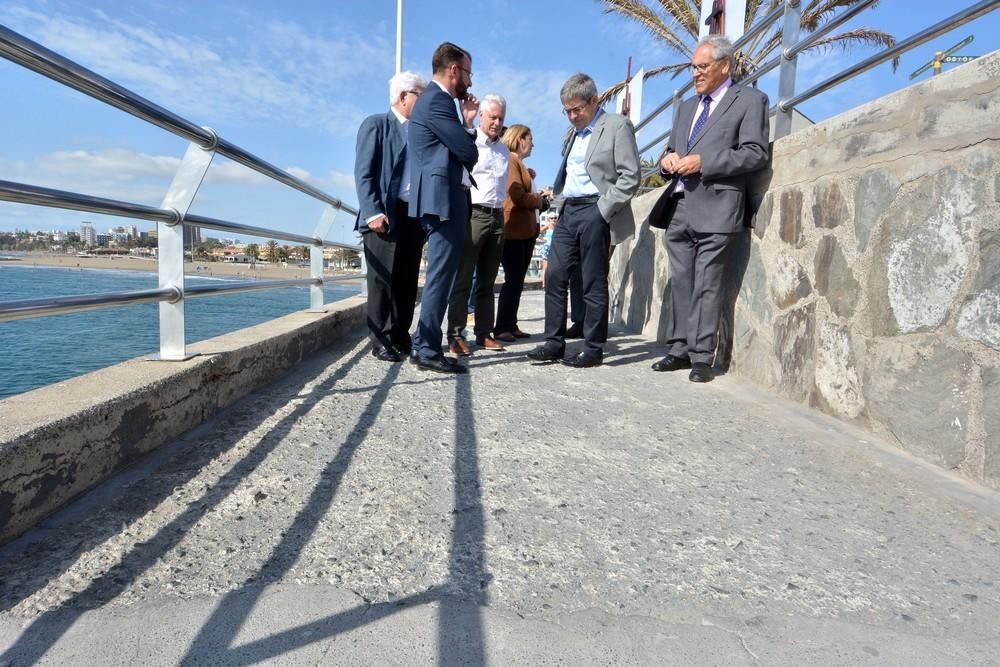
(460, 347)
(489, 343)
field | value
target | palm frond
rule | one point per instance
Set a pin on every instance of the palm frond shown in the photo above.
(641, 13)
(851, 38)
(685, 13)
(676, 69)
(817, 12)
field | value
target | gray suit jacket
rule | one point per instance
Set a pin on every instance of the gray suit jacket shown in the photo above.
(612, 162)
(732, 145)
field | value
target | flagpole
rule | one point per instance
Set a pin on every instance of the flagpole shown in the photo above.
(399, 36)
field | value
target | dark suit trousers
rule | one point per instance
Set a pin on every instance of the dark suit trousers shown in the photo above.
(445, 241)
(393, 270)
(516, 260)
(581, 240)
(697, 270)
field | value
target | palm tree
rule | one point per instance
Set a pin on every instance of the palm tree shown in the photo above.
(675, 23)
(273, 251)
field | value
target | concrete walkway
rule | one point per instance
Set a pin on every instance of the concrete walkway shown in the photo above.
(356, 512)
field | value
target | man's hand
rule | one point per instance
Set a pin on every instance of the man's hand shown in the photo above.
(470, 108)
(668, 164)
(379, 225)
(687, 165)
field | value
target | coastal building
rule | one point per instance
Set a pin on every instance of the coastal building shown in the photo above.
(87, 234)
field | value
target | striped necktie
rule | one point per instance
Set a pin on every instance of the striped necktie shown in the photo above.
(700, 123)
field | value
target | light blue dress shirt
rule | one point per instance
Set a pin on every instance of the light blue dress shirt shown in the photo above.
(578, 183)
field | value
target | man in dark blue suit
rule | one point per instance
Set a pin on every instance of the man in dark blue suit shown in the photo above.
(393, 241)
(442, 152)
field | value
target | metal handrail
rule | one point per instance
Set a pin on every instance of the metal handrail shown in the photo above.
(172, 215)
(23, 193)
(789, 55)
(29, 308)
(955, 20)
(34, 56)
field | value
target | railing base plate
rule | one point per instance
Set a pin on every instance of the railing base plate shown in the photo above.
(157, 357)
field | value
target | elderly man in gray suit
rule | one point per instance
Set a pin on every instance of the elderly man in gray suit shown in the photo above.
(598, 177)
(719, 141)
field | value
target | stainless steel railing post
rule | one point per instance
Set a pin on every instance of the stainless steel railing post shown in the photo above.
(789, 61)
(316, 297)
(170, 244)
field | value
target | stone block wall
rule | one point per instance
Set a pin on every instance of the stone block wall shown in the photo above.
(872, 288)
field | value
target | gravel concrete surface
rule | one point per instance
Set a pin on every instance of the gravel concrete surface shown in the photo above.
(358, 512)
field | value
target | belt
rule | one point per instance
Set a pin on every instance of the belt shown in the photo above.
(488, 209)
(582, 201)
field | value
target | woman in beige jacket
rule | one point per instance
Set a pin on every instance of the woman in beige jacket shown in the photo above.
(520, 231)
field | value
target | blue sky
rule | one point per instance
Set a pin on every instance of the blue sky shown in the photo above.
(291, 81)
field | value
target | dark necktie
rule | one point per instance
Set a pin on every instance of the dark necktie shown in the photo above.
(700, 123)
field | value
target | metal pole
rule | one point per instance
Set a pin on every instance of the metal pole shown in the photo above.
(170, 243)
(786, 77)
(316, 259)
(399, 36)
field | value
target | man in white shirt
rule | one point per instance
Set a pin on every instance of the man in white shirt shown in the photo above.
(484, 239)
(393, 241)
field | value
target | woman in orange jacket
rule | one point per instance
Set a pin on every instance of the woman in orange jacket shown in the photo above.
(520, 231)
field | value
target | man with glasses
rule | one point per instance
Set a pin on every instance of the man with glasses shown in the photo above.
(392, 240)
(719, 142)
(442, 146)
(598, 177)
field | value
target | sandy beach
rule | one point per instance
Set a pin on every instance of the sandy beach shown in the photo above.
(213, 269)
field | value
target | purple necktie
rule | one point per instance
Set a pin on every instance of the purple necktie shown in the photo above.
(700, 123)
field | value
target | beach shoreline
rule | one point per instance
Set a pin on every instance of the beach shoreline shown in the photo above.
(192, 269)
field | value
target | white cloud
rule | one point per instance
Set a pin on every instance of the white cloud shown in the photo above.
(289, 74)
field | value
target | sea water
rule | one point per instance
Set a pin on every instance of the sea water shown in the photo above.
(41, 351)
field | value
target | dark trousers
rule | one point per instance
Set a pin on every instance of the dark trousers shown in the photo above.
(516, 260)
(393, 269)
(480, 256)
(698, 262)
(445, 240)
(581, 239)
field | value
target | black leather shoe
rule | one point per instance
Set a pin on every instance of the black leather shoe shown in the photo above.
(441, 365)
(671, 363)
(701, 372)
(584, 360)
(543, 354)
(575, 331)
(386, 353)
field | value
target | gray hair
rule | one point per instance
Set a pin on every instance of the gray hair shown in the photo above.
(722, 49)
(494, 99)
(578, 87)
(405, 82)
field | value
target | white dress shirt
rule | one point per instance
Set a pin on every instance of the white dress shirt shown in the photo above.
(578, 183)
(491, 171)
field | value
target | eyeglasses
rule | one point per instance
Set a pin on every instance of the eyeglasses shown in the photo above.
(415, 93)
(467, 71)
(700, 67)
(575, 111)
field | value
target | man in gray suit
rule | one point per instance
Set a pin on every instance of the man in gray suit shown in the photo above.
(719, 141)
(598, 177)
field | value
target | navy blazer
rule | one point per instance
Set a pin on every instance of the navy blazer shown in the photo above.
(439, 148)
(378, 168)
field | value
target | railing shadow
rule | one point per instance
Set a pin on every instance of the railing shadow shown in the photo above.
(48, 563)
(235, 607)
(47, 629)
